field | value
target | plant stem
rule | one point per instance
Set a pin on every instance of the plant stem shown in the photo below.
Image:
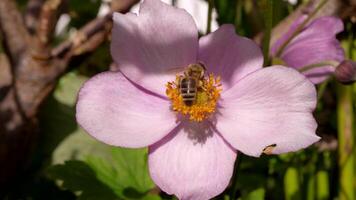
(346, 143)
(238, 16)
(321, 89)
(210, 15)
(309, 176)
(292, 184)
(322, 185)
(311, 182)
(268, 29)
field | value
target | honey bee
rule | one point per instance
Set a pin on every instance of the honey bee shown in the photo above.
(191, 82)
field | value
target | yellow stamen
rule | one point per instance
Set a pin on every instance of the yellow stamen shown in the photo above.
(206, 98)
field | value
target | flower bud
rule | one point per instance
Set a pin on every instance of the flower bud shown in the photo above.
(345, 72)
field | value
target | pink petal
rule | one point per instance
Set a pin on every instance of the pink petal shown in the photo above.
(315, 44)
(273, 105)
(229, 55)
(116, 112)
(285, 36)
(146, 47)
(193, 162)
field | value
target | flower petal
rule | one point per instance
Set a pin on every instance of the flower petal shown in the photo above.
(317, 43)
(193, 162)
(285, 36)
(114, 111)
(271, 106)
(147, 46)
(228, 55)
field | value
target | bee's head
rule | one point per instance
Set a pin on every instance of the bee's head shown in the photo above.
(196, 70)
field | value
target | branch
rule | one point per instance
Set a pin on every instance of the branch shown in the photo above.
(122, 6)
(89, 37)
(32, 13)
(15, 36)
(5, 74)
(94, 27)
(48, 18)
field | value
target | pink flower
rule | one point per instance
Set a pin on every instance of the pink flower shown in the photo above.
(258, 107)
(315, 45)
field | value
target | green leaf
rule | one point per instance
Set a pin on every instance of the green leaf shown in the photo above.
(257, 194)
(62, 139)
(133, 166)
(78, 177)
(126, 173)
(292, 186)
(68, 88)
(57, 115)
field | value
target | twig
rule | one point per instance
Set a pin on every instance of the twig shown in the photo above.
(81, 41)
(32, 13)
(92, 28)
(50, 13)
(13, 29)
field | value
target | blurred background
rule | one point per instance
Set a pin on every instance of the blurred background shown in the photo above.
(50, 47)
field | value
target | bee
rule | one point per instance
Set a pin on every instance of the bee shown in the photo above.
(191, 82)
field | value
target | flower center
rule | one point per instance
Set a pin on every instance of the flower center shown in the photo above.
(194, 97)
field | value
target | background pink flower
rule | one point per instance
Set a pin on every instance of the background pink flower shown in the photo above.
(258, 107)
(315, 44)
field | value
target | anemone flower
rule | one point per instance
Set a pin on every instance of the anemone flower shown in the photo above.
(315, 50)
(238, 105)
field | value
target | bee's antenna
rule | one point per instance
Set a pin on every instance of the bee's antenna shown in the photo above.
(202, 64)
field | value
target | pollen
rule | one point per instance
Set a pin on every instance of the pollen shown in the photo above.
(206, 98)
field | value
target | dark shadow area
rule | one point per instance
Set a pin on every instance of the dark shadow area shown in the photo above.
(132, 193)
(198, 132)
(3, 91)
(80, 177)
(57, 121)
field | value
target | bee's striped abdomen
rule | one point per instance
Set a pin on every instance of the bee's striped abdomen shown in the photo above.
(188, 90)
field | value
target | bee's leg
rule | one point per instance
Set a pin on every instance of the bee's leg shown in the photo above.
(204, 89)
(178, 80)
(201, 85)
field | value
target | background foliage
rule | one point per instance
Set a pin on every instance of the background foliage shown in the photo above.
(69, 164)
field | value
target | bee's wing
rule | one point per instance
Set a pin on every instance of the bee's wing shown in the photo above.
(176, 70)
